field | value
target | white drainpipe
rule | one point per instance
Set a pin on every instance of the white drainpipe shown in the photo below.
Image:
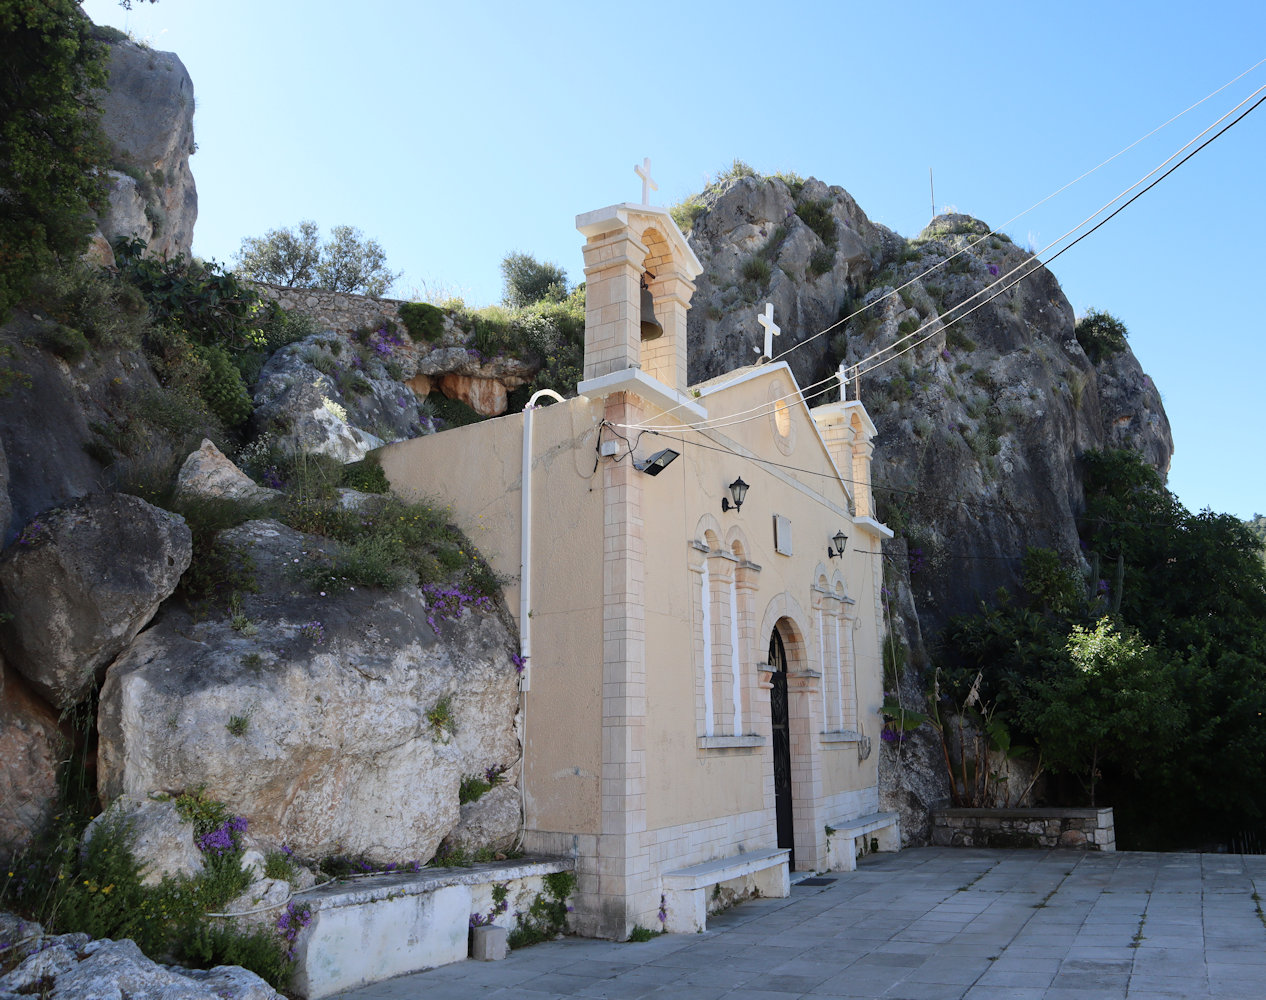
(525, 593)
(525, 551)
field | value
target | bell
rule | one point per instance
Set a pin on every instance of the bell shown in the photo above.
(651, 328)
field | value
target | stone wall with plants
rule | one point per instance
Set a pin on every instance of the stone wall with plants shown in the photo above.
(341, 312)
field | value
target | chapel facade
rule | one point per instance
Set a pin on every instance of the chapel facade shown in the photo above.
(702, 682)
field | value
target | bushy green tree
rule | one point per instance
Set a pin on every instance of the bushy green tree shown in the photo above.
(51, 145)
(283, 256)
(348, 262)
(528, 281)
(1162, 703)
(1116, 703)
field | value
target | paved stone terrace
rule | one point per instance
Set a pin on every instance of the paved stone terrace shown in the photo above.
(928, 924)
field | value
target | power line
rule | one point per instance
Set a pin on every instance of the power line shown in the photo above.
(1007, 507)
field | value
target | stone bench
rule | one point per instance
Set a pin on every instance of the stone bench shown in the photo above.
(766, 872)
(843, 846)
(367, 929)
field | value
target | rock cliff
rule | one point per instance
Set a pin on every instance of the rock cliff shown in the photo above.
(147, 116)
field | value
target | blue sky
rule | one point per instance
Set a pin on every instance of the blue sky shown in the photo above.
(454, 133)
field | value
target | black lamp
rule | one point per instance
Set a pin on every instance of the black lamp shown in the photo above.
(840, 541)
(738, 490)
(657, 463)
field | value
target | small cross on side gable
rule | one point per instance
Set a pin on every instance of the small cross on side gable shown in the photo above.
(772, 330)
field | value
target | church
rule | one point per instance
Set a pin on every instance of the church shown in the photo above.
(697, 575)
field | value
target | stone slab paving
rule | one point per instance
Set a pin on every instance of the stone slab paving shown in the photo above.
(927, 924)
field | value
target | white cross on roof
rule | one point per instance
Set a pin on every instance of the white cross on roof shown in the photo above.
(644, 172)
(772, 330)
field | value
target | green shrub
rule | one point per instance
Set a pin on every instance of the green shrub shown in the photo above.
(208, 945)
(65, 342)
(423, 321)
(907, 326)
(472, 789)
(365, 476)
(685, 212)
(222, 387)
(816, 214)
(453, 412)
(1101, 335)
(822, 260)
(756, 270)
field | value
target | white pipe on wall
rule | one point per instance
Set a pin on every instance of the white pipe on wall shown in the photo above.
(525, 544)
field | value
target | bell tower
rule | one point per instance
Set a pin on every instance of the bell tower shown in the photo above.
(635, 256)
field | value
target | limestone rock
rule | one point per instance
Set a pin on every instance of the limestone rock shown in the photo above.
(80, 583)
(339, 754)
(31, 748)
(99, 253)
(486, 396)
(147, 116)
(492, 821)
(750, 217)
(163, 841)
(334, 409)
(124, 214)
(70, 965)
(208, 473)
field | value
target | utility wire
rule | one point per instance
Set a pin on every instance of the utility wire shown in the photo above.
(1052, 257)
(1005, 507)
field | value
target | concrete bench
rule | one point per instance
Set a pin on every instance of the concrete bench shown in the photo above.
(766, 873)
(843, 840)
(368, 929)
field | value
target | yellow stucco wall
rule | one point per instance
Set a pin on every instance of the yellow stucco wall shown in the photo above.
(476, 471)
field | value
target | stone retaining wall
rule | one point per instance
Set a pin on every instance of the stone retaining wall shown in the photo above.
(1082, 829)
(341, 312)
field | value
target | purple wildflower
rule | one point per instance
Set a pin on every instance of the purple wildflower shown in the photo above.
(993, 270)
(293, 919)
(448, 603)
(313, 630)
(222, 839)
(946, 354)
(272, 479)
(519, 662)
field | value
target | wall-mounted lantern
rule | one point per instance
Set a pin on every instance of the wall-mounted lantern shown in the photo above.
(738, 490)
(840, 541)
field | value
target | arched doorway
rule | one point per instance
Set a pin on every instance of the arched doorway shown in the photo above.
(780, 720)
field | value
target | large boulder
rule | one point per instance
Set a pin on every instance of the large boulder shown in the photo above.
(493, 821)
(31, 748)
(208, 473)
(337, 723)
(80, 582)
(71, 965)
(147, 116)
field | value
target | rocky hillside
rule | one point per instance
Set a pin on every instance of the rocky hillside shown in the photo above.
(981, 422)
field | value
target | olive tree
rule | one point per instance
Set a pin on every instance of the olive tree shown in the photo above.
(296, 257)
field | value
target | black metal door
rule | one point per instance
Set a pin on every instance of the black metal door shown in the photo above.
(782, 744)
